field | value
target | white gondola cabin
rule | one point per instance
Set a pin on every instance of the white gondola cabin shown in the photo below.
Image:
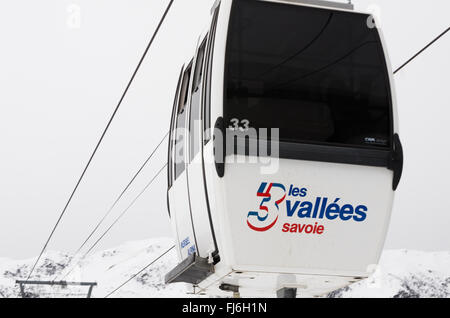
(284, 153)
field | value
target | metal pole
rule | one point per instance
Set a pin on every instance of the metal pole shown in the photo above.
(22, 291)
(90, 291)
(22, 284)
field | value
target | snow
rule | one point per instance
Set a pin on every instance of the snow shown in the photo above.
(109, 268)
(401, 273)
(405, 274)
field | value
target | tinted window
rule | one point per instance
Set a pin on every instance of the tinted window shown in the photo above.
(180, 153)
(317, 75)
(172, 126)
(198, 75)
(194, 117)
(207, 95)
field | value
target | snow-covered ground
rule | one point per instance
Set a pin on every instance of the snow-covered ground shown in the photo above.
(401, 273)
(405, 274)
(109, 268)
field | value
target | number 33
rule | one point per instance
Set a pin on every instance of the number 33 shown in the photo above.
(236, 124)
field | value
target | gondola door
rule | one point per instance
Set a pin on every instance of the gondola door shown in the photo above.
(196, 181)
(178, 194)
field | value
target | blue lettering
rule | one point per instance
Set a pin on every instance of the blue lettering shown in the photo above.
(360, 212)
(306, 209)
(322, 209)
(346, 212)
(291, 210)
(303, 192)
(185, 242)
(290, 190)
(316, 207)
(333, 210)
(319, 209)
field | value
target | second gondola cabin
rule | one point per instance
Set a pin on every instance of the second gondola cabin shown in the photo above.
(299, 199)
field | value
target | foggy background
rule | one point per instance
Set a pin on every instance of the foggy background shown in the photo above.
(64, 65)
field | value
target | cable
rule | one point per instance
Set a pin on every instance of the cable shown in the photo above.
(125, 211)
(114, 205)
(121, 195)
(351, 52)
(116, 221)
(422, 50)
(101, 138)
(290, 58)
(323, 67)
(132, 277)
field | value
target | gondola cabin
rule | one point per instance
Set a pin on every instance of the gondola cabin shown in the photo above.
(284, 154)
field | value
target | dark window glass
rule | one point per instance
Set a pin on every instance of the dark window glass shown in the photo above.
(207, 95)
(318, 75)
(172, 128)
(194, 117)
(180, 153)
(198, 75)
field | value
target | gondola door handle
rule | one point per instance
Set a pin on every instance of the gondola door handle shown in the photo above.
(219, 143)
(396, 161)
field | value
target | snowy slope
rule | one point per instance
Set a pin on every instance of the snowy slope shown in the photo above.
(108, 268)
(405, 274)
(401, 274)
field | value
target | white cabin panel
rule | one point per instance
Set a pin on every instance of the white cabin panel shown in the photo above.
(200, 215)
(307, 231)
(178, 197)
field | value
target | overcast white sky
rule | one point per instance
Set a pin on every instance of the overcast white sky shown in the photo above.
(60, 83)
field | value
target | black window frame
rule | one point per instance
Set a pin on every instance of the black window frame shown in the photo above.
(195, 111)
(182, 113)
(199, 71)
(207, 83)
(170, 167)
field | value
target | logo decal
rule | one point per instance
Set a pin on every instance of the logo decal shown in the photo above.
(302, 213)
(264, 220)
